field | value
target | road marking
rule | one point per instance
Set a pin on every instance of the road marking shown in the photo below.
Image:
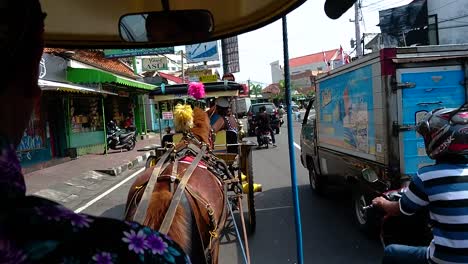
(297, 146)
(273, 208)
(109, 191)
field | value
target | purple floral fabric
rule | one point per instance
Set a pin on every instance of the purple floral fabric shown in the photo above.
(11, 178)
(36, 230)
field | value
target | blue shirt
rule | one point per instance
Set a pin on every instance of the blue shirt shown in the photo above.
(444, 189)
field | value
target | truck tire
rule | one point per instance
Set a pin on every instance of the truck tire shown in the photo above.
(366, 220)
(316, 181)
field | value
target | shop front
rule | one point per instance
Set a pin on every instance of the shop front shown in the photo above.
(86, 125)
(127, 106)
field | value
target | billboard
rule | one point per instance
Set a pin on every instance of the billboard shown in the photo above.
(347, 111)
(118, 53)
(230, 49)
(207, 51)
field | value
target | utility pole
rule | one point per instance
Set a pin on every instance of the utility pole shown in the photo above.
(358, 30)
(182, 59)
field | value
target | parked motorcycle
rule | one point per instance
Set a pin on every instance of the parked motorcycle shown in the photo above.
(414, 230)
(119, 139)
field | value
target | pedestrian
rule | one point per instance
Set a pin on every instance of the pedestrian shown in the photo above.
(34, 229)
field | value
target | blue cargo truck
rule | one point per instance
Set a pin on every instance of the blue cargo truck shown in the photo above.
(362, 121)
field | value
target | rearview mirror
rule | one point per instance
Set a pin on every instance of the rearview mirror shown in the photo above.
(167, 26)
(370, 175)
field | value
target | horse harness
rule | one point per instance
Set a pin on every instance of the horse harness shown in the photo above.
(216, 166)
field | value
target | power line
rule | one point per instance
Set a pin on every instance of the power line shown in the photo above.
(443, 6)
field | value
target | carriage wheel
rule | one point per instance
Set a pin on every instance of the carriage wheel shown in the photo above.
(248, 171)
(151, 161)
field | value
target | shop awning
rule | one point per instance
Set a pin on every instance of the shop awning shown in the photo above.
(66, 87)
(80, 75)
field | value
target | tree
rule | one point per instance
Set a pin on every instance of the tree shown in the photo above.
(255, 89)
(282, 87)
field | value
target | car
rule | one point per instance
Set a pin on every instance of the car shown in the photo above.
(255, 109)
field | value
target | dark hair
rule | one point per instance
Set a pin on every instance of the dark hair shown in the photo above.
(23, 42)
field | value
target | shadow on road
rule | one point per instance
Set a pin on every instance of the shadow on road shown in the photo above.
(116, 212)
(329, 234)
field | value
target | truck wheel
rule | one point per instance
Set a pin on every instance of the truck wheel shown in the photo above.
(316, 182)
(366, 220)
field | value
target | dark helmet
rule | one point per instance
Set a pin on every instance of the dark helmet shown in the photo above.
(445, 132)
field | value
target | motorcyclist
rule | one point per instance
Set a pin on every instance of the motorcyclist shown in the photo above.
(442, 188)
(263, 124)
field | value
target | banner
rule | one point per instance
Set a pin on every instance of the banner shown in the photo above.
(230, 50)
(207, 51)
(118, 53)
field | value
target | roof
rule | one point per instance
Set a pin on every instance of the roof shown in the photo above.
(273, 88)
(96, 59)
(314, 58)
(172, 78)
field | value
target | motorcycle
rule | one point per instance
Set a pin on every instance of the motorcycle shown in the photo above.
(118, 139)
(414, 230)
(265, 138)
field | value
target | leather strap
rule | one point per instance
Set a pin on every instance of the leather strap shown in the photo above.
(166, 224)
(140, 213)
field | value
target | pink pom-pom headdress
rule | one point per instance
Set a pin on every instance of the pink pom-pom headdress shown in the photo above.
(196, 90)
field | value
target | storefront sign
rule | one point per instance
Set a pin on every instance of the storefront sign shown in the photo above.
(123, 94)
(154, 64)
(207, 51)
(198, 72)
(117, 53)
(167, 115)
(53, 68)
(208, 78)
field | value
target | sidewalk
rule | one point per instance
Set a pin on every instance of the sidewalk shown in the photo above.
(72, 182)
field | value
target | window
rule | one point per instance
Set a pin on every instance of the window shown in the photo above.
(433, 30)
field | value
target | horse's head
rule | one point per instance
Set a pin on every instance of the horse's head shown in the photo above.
(195, 121)
(201, 126)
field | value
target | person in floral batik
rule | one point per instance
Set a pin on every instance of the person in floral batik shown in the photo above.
(36, 230)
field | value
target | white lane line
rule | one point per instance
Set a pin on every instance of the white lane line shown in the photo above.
(109, 191)
(273, 208)
(297, 146)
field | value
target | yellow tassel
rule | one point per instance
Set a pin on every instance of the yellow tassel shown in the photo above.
(183, 118)
(256, 187)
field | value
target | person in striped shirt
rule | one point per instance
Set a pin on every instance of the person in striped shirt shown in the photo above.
(442, 188)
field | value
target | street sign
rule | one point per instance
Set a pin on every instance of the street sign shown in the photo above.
(167, 115)
(118, 53)
(207, 51)
(208, 78)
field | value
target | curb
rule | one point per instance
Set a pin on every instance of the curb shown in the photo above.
(117, 170)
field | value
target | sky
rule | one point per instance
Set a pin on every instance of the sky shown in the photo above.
(309, 31)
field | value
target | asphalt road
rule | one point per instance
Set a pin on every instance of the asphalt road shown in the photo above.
(329, 235)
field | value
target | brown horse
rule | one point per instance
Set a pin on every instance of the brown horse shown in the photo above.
(201, 214)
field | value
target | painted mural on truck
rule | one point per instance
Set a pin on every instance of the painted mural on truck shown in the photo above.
(346, 111)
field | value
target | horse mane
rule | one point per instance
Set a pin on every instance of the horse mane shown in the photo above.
(201, 125)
